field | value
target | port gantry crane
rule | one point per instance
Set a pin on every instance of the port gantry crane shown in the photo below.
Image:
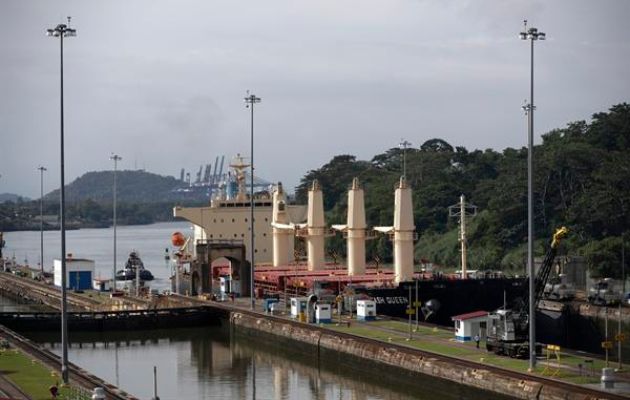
(508, 328)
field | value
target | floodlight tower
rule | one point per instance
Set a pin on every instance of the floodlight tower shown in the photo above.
(532, 34)
(250, 100)
(62, 31)
(115, 158)
(41, 217)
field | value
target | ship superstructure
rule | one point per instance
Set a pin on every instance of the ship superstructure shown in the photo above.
(394, 290)
(227, 218)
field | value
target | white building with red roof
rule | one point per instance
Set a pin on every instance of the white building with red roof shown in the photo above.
(467, 326)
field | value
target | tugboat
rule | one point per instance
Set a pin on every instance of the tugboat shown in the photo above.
(129, 273)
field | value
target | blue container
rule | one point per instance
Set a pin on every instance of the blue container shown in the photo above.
(267, 304)
(79, 280)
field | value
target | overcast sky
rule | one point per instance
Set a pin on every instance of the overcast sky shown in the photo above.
(161, 83)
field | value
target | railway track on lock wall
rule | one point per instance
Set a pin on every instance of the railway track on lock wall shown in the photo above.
(44, 293)
(78, 376)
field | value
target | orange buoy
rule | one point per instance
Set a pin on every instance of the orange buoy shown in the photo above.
(178, 239)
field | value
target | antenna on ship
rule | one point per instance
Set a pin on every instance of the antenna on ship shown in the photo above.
(403, 146)
(462, 210)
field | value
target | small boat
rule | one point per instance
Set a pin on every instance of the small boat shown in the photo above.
(129, 273)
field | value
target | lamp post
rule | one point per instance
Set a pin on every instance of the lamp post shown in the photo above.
(62, 31)
(532, 34)
(403, 145)
(115, 158)
(250, 100)
(41, 217)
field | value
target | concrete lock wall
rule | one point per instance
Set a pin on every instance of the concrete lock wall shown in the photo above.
(408, 359)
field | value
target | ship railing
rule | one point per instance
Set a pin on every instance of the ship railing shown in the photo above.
(303, 232)
(235, 242)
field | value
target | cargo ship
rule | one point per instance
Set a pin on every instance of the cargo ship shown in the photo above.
(441, 297)
(221, 231)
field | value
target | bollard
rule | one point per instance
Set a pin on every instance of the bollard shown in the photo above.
(98, 393)
(608, 378)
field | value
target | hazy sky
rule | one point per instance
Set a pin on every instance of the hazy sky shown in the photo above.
(162, 83)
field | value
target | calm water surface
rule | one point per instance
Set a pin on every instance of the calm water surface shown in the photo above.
(211, 363)
(150, 241)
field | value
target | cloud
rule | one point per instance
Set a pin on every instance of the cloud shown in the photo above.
(162, 83)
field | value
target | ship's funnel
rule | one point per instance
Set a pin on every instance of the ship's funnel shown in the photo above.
(356, 230)
(403, 233)
(316, 228)
(282, 233)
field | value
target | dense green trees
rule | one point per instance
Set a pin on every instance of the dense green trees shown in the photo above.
(582, 180)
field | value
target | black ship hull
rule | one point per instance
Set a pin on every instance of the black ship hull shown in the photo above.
(130, 275)
(134, 265)
(441, 299)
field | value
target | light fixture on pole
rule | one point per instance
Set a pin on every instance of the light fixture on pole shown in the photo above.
(115, 158)
(250, 100)
(403, 145)
(62, 31)
(532, 34)
(41, 218)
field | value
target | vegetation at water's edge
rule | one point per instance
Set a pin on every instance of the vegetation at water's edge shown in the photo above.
(581, 180)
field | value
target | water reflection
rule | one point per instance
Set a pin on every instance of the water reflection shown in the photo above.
(212, 363)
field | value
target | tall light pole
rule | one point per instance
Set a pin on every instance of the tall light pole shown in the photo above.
(403, 145)
(61, 31)
(41, 217)
(250, 100)
(532, 35)
(115, 158)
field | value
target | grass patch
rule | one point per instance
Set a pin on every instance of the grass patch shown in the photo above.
(361, 331)
(29, 375)
(506, 362)
(596, 364)
(440, 348)
(404, 328)
(434, 341)
(582, 380)
(418, 343)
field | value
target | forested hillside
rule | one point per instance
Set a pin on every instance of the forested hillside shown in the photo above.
(582, 181)
(142, 198)
(132, 187)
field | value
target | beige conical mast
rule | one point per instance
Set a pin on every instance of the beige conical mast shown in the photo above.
(282, 237)
(403, 233)
(316, 228)
(356, 230)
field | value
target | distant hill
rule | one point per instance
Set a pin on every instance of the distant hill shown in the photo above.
(12, 197)
(133, 187)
